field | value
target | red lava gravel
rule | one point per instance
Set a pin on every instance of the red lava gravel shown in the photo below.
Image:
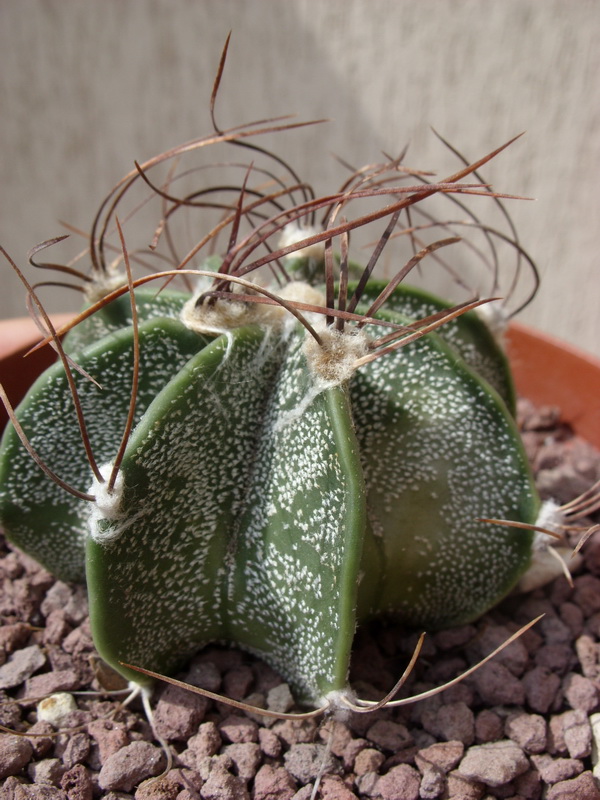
(520, 728)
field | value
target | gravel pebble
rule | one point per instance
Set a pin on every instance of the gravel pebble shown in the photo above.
(351, 751)
(41, 745)
(555, 631)
(583, 787)
(79, 641)
(304, 793)
(15, 752)
(237, 729)
(237, 682)
(273, 783)
(222, 785)
(558, 658)
(178, 713)
(580, 692)
(365, 784)
(159, 789)
(14, 636)
(527, 730)
(57, 627)
(401, 781)
(207, 741)
(488, 726)
(65, 680)
(77, 783)
(495, 763)
(528, 785)
(496, 685)
(269, 742)
(333, 788)
(70, 600)
(552, 770)
(587, 594)
(130, 765)
(296, 731)
(452, 722)
(21, 665)
(76, 749)
(48, 771)
(515, 657)
(109, 736)
(433, 783)
(279, 698)
(455, 637)
(336, 736)
(305, 761)
(246, 758)
(204, 674)
(389, 735)
(588, 654)
(577, 733)
(541, 686)
(573, 618)
(13, 789)
(445, 756)
(57, 708)
(459, 787)
(368, 760)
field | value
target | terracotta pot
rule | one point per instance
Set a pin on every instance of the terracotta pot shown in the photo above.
(546, 371)
(16, 372)
(549, 372)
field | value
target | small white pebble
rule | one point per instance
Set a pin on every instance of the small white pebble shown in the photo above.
(56, 708)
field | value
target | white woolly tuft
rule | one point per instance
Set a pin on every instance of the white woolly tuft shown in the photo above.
(224, 315)
(331, 362)
(303, 292)
(294, 233)
(548, 560)
(334, 360)
(106, 508)
(550, 517)
(495, 317)
(103, 285)
(337, 701)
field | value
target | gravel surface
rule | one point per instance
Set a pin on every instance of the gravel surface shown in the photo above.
(523, 726)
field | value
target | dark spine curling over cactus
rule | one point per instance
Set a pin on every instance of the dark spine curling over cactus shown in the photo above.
(302, 456)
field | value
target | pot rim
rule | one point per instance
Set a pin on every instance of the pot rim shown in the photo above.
(548, 371)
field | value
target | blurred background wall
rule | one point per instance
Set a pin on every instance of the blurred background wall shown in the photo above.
(87, 87)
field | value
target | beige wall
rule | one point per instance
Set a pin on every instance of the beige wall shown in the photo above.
(87, 87)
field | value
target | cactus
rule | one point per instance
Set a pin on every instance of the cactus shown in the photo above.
(300, 457)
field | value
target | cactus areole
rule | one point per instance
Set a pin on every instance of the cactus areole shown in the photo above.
(302, 455)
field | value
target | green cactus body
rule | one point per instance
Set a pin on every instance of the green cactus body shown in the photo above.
(262, 536)
(268, 498)
(57, 539)
(427, 425)
(116, 316)
(468, 335)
